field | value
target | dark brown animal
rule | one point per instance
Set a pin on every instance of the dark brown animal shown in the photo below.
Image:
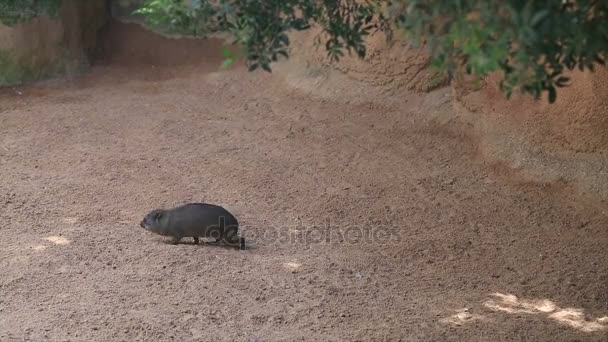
(195, 220)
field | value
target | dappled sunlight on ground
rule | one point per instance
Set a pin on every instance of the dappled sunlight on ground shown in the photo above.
(292, 266)
(461, 317)
(70, 220)
(511, 304)
(574, 318)
(508, 303)
(58, 240)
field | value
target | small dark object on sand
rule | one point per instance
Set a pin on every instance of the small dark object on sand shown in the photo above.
(195, 220)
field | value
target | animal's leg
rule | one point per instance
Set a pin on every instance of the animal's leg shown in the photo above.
(175, 240)
(195, 240)
(231, 236)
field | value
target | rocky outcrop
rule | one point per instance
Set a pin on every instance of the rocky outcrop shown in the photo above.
(393, 67)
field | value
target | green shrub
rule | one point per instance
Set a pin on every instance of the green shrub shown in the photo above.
(16, 11)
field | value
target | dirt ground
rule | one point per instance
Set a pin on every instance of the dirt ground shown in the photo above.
(368, 218)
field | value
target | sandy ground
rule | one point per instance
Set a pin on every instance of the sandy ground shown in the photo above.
(368, 218)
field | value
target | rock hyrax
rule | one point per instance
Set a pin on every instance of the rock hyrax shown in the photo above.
(196, 220)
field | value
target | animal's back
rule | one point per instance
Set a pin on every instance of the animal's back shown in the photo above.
(204, 213)
(203, 219)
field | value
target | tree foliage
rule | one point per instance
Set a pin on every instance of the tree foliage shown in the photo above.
(531, 42)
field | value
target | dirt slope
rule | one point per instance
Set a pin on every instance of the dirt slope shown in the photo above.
(426, 242)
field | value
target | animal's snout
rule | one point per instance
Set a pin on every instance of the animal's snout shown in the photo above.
(142, 224)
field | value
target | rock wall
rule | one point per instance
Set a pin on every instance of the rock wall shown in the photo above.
(393, 67)
(534, 140)
(46, 47)
(561, 142)
(577, 122)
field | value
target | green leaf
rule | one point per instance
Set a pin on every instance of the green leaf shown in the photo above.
(538, 17)
(227, 53)
(266, 67)
(227, 63)
(552, 94)
(284, 39)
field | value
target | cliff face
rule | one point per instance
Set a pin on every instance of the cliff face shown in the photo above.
(394, 68)
(46, 47)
